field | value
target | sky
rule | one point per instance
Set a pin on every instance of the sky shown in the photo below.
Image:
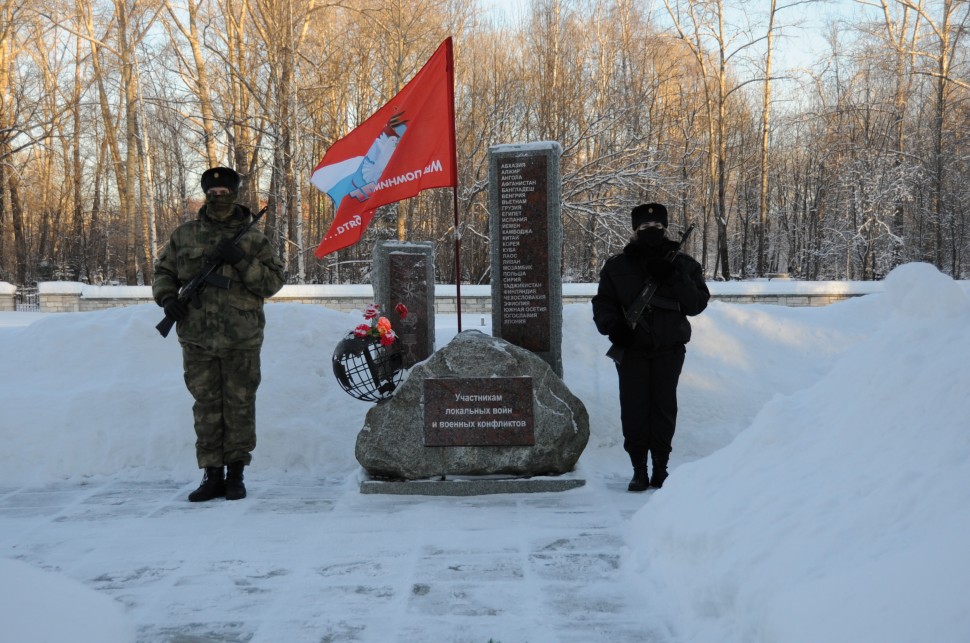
(818, 492)
(804, 25)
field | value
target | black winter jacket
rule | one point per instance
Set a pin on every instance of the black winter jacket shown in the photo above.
(681, 293)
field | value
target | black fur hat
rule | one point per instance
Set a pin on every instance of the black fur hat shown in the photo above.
(220, 177)
(648, 212)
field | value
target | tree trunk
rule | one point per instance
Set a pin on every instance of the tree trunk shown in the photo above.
(199, 78)
(17, 218)
(765, 130)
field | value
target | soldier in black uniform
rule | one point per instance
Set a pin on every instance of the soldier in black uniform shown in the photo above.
(221, 339)
(653, 352)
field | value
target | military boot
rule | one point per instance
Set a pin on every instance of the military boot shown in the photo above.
(659, 471)
(640, 482)
(213, 486)
(235, 489)
(638, 458)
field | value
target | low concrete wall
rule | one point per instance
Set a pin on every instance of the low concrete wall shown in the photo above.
(66, 296)
(8, 293)
(60, 296)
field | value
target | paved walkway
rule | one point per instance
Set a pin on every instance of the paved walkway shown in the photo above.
(309, 559)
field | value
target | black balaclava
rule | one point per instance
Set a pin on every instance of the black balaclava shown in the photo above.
(646, 213)
(651, 237)
(220, 207)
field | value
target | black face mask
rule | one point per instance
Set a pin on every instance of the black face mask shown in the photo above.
(220, 206)
(651, 237)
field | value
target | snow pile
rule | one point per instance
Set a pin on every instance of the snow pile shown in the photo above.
(841, 513)
(45, 607)
(100, 392)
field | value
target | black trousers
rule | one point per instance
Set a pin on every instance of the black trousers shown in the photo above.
(648, 403)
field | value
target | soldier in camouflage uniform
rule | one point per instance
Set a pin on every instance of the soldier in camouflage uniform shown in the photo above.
(220, 340)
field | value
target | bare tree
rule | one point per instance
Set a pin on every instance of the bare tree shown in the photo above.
(946, 29)
(697, 24)
(194, 73)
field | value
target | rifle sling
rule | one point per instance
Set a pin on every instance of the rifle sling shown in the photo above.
(654, 301)
(665, 303)
(218, 281)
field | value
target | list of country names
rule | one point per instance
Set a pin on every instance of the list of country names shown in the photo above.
(523, 270)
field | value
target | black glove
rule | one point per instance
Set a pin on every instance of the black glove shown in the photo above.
(660, 269)
(622, 335)
(175, 308)
(228, 252)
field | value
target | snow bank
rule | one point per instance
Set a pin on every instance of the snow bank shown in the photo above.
(840, 514)
(46, 607)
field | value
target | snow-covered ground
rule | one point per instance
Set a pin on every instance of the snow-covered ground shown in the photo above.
(820, 492)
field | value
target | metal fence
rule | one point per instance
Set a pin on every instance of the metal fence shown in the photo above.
(27, 300)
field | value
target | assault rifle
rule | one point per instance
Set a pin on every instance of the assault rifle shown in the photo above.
(647, 297)
(190, 292)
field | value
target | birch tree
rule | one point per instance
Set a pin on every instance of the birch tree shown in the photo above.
(946, 22)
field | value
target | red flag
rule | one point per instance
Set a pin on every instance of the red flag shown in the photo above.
(405, 147)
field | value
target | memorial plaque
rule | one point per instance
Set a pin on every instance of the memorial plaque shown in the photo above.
(524, 259)
(525, 219)
(409, 287)
(487, 411)
(404, 274)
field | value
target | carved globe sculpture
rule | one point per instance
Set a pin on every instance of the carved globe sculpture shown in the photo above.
(366, 369)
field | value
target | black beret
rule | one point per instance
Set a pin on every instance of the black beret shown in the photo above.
(220, 177)
(648, 212)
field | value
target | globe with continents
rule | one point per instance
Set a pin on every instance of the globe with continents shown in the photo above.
(366, 369)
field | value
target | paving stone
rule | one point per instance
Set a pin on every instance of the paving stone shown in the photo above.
(313, 559)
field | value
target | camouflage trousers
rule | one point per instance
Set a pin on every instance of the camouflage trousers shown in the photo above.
(223, 384)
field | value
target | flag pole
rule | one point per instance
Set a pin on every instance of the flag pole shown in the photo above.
(454, 169)
(454, 192)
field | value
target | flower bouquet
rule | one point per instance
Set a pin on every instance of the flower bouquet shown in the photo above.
(380, 327)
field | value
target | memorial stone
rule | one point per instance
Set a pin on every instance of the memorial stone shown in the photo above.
(478, 406)
(526, 247)
(404, 274)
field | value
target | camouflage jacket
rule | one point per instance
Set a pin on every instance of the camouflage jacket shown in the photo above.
(228, 318)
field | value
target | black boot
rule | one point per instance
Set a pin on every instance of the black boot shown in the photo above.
(639, 481)
(659, 472)
(213, 486)
(638, 458)
(235, 489)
